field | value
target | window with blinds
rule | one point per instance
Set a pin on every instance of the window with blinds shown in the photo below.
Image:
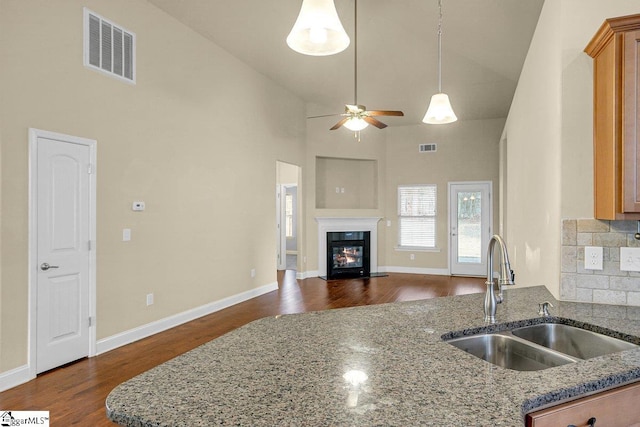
(417, 216)
(109, 48)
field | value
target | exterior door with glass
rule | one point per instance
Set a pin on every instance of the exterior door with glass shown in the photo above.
(470, 227)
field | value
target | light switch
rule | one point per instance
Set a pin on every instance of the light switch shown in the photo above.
(126, 234)
(630, 259)
(593, 257)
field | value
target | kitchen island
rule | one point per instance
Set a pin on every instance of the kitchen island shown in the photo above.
(380, 365)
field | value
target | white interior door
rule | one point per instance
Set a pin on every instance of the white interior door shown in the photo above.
(471, 223)
(62, 262)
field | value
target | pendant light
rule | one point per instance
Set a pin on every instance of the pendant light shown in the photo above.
(439, 111)
(318, 30)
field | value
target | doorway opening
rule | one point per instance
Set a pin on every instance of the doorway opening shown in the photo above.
(287, 216)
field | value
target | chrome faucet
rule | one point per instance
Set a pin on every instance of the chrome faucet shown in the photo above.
(506, 277)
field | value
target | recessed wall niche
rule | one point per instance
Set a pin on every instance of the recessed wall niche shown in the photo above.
(346, 183)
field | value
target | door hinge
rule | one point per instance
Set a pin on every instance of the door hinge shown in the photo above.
(89, 245)
(90, 321)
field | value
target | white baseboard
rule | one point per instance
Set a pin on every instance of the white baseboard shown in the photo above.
(306, 274)
(152, 328)
(414, 270)
(15, 377)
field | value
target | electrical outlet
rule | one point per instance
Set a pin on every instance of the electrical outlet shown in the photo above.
(253, 272)
(412, 257)
(126, 234)
(593, 257)
(630, 259)
(149, 299)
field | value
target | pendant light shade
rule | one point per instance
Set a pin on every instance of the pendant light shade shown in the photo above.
(318, 30)
(439, 111)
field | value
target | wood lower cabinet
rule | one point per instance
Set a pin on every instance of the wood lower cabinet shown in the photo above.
(615, 50)
(619, 407)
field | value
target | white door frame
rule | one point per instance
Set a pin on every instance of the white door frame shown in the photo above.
(34, 134)
(450, 211)
(281, 239)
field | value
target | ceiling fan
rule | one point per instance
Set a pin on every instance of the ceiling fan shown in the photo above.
(356, 117)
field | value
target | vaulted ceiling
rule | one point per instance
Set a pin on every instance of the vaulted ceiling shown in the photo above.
(484, 45)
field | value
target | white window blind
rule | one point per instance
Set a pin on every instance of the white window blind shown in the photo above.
(417, 216)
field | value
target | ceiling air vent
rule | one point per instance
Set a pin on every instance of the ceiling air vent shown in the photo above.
(109, 48)
(427, 148)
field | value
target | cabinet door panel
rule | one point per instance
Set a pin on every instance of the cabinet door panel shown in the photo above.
(631, 124)
(613, 408)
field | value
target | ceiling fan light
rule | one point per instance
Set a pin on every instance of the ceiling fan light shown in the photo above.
(439, 111)
(318, 30)
(355, 124)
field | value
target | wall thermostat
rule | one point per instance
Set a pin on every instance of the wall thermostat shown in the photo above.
(138, 206)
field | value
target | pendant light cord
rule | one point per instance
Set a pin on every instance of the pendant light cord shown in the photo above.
(439, 47)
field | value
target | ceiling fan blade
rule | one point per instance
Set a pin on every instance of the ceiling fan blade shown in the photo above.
(340, 123)
(384, 113)
(375, 122)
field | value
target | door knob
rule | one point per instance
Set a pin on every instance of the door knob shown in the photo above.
(45, 266)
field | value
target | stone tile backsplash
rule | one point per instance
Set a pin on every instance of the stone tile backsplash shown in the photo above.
(606, 286)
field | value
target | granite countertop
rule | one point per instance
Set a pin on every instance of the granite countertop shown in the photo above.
(289, 370)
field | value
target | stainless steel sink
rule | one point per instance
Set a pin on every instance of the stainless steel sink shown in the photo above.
(541, 346)
(573, 341)
(509, 352)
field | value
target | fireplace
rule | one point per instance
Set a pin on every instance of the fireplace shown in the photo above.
(348, 254)
(346, 224)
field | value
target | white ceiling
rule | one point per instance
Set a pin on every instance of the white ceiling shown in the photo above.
(484, 45)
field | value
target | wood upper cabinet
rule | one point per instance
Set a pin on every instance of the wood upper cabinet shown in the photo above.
(615, 50)
(613, 408)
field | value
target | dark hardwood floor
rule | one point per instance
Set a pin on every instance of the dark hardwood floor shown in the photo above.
(75, 394)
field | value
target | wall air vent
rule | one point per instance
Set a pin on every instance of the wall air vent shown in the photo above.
(109, 48)
(427, 148)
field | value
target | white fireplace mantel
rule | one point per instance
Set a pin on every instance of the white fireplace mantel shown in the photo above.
(328, 224)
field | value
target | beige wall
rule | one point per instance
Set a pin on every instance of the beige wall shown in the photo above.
(467, 151)
(286, 173)
(346, 183)
(533, 158)
(338, 143)
(549, 137)
(175, 140)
